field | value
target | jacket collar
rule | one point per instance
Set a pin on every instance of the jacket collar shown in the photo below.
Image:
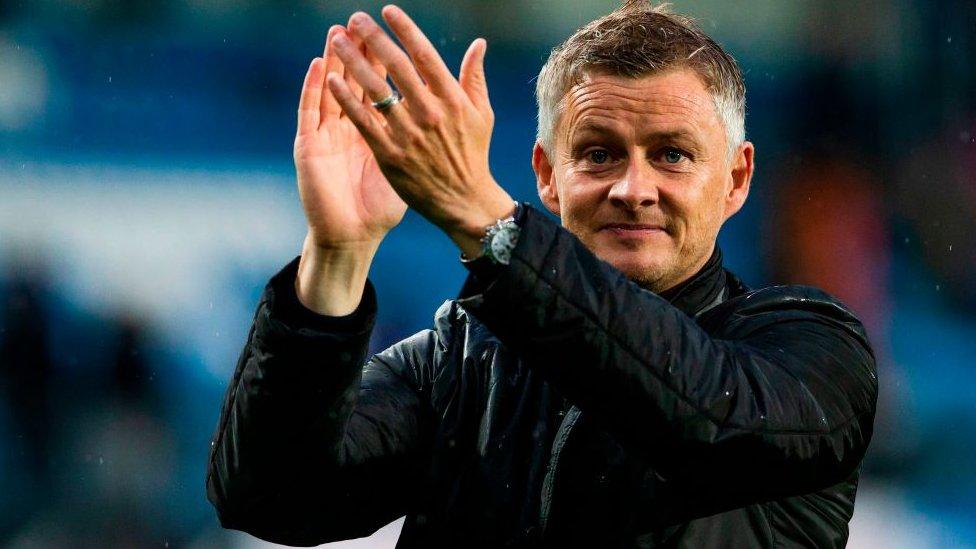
(703, 290)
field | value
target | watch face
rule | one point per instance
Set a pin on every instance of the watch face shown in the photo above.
(503, 242)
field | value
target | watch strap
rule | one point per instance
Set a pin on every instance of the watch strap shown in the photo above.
(500, 239)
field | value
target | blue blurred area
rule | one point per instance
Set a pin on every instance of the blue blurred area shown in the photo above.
(147, 194)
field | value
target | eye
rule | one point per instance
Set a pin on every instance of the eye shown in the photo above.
(673, 156)
(598, 156)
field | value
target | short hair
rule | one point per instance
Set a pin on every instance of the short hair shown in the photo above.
(636, 40)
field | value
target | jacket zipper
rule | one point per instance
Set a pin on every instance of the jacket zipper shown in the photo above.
(562, 434)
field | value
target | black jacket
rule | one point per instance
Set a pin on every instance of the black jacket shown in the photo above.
(560, 405)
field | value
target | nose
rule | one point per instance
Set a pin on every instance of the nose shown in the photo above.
(637, 188)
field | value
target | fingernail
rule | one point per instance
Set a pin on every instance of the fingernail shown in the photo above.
(340, 40)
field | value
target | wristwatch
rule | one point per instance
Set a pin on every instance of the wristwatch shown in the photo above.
(500, 239)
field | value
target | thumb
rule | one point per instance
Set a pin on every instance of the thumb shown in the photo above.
(472, 77)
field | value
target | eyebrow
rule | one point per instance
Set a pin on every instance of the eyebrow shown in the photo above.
(678, 134)
(590, 127)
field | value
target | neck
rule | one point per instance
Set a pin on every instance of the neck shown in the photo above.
(702, 281)
(673, 286)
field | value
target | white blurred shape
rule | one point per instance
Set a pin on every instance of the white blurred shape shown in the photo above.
(157, 243)
(147, 239)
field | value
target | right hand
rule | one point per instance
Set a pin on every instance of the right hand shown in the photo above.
(348, 202)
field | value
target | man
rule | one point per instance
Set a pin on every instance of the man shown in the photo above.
(602, 384)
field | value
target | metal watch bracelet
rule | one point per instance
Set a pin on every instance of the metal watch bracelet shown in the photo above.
(500, 239)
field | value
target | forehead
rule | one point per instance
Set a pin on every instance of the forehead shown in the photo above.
(676, 100)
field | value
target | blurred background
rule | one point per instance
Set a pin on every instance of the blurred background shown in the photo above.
(147, 194)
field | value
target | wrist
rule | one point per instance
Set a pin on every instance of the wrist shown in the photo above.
(468, 232)
(331, 279)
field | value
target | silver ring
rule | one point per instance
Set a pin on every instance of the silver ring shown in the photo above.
(387, 102)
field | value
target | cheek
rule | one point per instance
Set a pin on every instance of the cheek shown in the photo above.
(711, 209)
(580, 199)
(696, 208)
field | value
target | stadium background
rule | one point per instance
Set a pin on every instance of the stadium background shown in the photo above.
(147, 193)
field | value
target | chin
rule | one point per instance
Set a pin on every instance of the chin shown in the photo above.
(646, 264)
(644, 273)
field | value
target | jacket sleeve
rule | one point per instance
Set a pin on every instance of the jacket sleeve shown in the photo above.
(312, 446)
(781, 404)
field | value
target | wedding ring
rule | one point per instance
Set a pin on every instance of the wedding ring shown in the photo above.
(387, 102)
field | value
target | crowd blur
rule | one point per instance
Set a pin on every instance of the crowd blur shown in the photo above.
(147, 193)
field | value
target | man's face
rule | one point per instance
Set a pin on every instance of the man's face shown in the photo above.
(641, 174)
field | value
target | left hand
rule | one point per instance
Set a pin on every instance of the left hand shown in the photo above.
(434, 147)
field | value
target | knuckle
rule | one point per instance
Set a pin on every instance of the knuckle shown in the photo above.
(368, 128)
(430, 119)
(357, 118)
(455, 102)
(365, 122)
(368, 33)
(395, 156)
(415, 139)
(423, 56)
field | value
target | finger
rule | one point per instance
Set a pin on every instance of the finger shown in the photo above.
(308, 105)
(374, 85)
(378, 68)
(429, 63)
(329, 106)
(472, 76)
(354, 86)
(374, 134)
(397, 63)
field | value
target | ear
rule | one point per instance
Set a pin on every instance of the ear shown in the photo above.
(740, 177)
(544, 181)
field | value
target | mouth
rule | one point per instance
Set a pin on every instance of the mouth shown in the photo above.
(632, 229)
